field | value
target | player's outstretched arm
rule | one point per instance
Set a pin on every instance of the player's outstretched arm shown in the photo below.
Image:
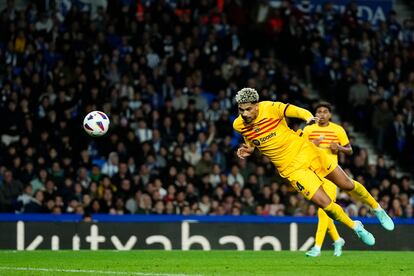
(301, 113)
(244, 151)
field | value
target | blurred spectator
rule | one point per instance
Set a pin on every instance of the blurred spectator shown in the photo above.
(111, 165)
(9, 191)
(36, 205)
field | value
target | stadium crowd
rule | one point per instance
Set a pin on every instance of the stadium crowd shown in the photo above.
(166, 75)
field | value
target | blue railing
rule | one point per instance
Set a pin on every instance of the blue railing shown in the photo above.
(175, 218)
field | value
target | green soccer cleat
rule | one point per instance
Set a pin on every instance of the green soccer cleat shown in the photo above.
(338, 247)
(314, 252)
(385, 220)
(363, 234)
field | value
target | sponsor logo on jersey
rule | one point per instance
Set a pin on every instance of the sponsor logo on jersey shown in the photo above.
(267, 137)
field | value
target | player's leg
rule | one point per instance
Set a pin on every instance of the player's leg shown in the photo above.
(338, 241)
(324, 222)
(331, 189)
(343, 181)
(328, 168)
(308, 183)
(323, 219)
(357, 190)
(334, 211)
(333, 232)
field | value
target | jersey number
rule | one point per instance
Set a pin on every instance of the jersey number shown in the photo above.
(300, 187)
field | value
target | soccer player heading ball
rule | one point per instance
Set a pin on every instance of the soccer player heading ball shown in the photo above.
(263, 126)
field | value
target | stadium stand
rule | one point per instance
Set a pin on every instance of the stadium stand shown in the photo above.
(166, 75)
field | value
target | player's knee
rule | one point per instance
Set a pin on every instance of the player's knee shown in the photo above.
(348, 184)
(325, 202)
(321, 199)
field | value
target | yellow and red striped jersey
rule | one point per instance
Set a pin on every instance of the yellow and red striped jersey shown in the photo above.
(330, 133)
(270, 133)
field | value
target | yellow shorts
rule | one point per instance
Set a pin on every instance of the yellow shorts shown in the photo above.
(307, 170)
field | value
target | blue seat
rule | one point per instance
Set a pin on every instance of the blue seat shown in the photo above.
(236, 139)
(98, 162)
(209, 96)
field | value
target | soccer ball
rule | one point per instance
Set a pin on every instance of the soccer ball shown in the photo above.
(96, 123)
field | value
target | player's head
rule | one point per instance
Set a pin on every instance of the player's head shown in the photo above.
(323, 111)
(247, 100)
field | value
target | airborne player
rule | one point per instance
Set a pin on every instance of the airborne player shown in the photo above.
(263, 126)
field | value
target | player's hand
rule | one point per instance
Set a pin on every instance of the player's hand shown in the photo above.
(312, 121)
(244, 151)
(334, 147)
(318, 141)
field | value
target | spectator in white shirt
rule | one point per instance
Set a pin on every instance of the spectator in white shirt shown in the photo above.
(110, 167)
(192, 155)
(214, 112)
(235, 176)
(143, 132)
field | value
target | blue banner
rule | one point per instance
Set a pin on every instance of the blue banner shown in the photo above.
(368, 10)
(177, 218)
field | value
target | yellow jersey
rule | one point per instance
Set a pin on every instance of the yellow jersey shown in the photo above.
(270, 133)
(330, 133)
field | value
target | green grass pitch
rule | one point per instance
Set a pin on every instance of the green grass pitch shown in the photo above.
(162, 263)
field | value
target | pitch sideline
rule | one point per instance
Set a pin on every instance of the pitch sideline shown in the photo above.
(9, 268)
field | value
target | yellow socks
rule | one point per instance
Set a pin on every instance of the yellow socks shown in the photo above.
(322, 226)
(362, 194)
(332, 230)
(334, 211)
(325, 223)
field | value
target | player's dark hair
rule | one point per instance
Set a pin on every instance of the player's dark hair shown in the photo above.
(323, 104)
